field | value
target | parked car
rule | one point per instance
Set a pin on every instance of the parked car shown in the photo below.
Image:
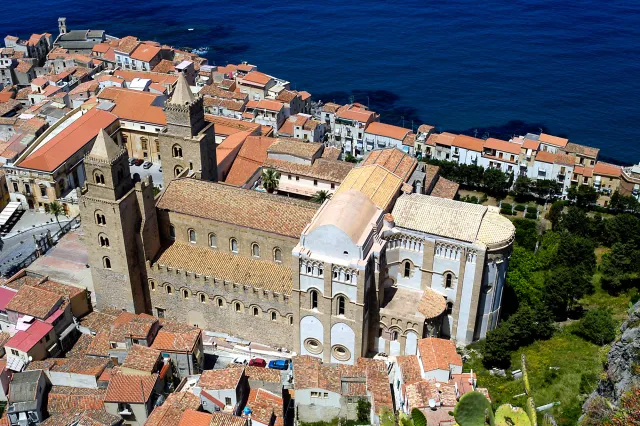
(241, 360)
(147, 165)
(258, 362)
(138, 162)
(132, 161)
(279, 364)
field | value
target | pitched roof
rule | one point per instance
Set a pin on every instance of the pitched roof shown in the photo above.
(445, 188)
(224, 203)
(99, 346)
(265, 406)
(228, 378)
(584, 150)
(134, 105)
(392, 159)
(546, 156)
(63, 399)
(351, 112)
(129, 325)
(104, 148)
(444, 138)
(295, 147)
(553, 140)
(432, 304)
(25, 340)
(130, 388)
(83, 418)
(228, 126)
(269, 105)
(259, 373)
(34, 301)
(145, 52)
(127, 44)
(374, 181)
(467, 142)
(177, 337)
(606, 169)
(182, 94)
(409, 368)
(129, 75)
(227, 266)
(331, 170)
(255, 78)
(382, 129)
(99, 321)
(6, 294)
(24, 386)
(438, 354)
(500, 145)
(249, 159)
(531, 144)
(141, 358)
(67, 142)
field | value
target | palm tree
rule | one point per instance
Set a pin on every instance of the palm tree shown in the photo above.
(270, 180)
(56, 209)
(321, 196)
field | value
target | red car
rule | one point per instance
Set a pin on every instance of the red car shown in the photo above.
(258, 362)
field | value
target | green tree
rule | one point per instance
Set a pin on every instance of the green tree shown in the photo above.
(349, 158)
(574, 221)
(526, 233)
(522, 186)
(363, 409)
(555, 213)
(574, 251)
(583, 195)
(321, 196)
(564, 287)
(597, 326)
(622, 228)
(495, 181)
(547, 188)
(56, 209)
(270, 180)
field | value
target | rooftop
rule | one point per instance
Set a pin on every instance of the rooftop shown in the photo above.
(438, 354)
(226, 266)
(141, 358)
(130, 388)
(134, 105)
(52, 150)
(392, 159)
(504, 146)
(177, 337)
(587, 151)
(606, 169)
(228, 204)
(295, 147)
(453, 219)
(387, 130)
(374, 181)
(330, 170)
(227, 378)
(249, 159)
(34, 301)
(410, 368)
(445, 188)
(63, 399)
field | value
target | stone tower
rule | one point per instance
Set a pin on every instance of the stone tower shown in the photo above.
(120, 227)
(189, 142)
(62, 25)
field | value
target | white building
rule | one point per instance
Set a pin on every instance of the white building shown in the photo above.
(380, 135)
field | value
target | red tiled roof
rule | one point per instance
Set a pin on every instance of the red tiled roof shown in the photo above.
(250, 157)
(69, 141)
(606, 169)
(228, 378)
(438, 354)
(256, 78)
(553, 140)
(545, 156)
(177, 337)
(24, 340)
(5, 297)
(392, 159)
(531, 144)
(504, 146)
(270, 105)
(441, 139)
(382, 129)
(141, 358)
(145, 52)
(134, 105)
(34, 301)
(130, 388)
(468, 142)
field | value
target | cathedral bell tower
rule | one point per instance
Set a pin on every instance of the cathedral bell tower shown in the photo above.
(120, 227)
(189, 142)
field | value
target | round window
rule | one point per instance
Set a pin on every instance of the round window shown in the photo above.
(340, 353)
(313, 346)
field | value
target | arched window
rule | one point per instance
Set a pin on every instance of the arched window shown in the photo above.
(177, 151)
(255, 250)
(169, 290)
(106, 263)
(192, 236)
(314, 299)
(177, 170)
(233, 245)
(212, 240)
(407, 269)
(277, 255)
(185, 294)
(449, 308)
(203, 298)
(152, 285)
(341, 304)
(100, 219)
(237, 307)
(143, 143)
(172, 232)
(104, 241)
(290, 320)
(394, 335)
(448, 280)
(274, 316)
(220, 302)
(256, 312)
(98, 178)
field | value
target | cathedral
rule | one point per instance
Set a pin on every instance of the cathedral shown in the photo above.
(372, 270)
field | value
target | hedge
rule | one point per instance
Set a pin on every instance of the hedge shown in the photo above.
(506, 212)
(520, 208)
(505, 206)
(531, 215)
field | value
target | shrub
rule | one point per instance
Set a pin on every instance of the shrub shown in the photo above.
(505, 206)
(531, 215)
(520, 208)
(507, 212)
(597, 326)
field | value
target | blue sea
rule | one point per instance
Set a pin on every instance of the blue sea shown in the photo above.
(487, 68)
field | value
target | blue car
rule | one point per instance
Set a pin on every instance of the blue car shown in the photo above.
(279, 364)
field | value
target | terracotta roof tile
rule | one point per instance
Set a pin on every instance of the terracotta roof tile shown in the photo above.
(265, 406)
(500, 145)
(128, 75)
(331, 107)
(80, 348)
(99, 321)
(295, 147)
(83, 418)
(228, 378)
(432, 304)
(34, 301)
(177, 337)
(392, 159)
(409, 368)
(145, 52)
(553, 140)
(445, 139)
(63, 399)
(574, 148)
(438, 354)
(99, 346)
(445, 188)
(130, 388)
(259, 373)
(66, 143)
(331, 170)
(127, 44)
(142, 358)
(229, 126)
(374, 181)
(129, 325)
(251, 209)
(134, 105)
(606, 169)
(382, 129)
(227, 266)
(255, 78)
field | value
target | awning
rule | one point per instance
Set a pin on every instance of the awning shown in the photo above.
(9, 211)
